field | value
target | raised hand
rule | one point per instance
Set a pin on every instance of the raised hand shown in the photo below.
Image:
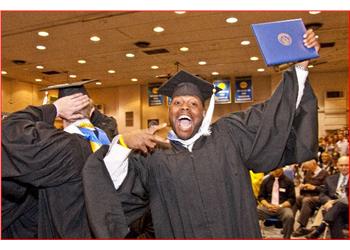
(310, 41)
(145, 140)
(68, 105)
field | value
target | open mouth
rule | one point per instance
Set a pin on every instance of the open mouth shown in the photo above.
(184, 122)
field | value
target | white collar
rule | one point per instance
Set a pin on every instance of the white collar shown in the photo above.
(73, 127)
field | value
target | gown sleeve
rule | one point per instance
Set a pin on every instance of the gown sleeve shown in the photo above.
(107, 123)
(110, 211)
(35, 152)
(274, 133)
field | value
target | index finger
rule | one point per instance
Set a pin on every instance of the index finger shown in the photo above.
(155, 128)
(159, 139)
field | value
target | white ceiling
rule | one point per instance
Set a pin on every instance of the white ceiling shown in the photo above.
(206, 34)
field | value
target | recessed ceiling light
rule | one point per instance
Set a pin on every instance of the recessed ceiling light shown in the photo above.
(180, 12)
(73, 76)
(310, 66)
(246, 42)
(254, 58)
(40, 47)
(215, 73)
(154, 67)
(3, 72)
(134, 79)
(95, 38)
(39, 67)
(261, 70)
(38, 80)
(184, 49)
(111, 71)
(81, 61)
(231, 20)
(130, 55)
(158, 29)
(98, 83)
(202, 62)
(314, 12)
(43, 33)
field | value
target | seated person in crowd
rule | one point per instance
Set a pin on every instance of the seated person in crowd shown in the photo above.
(334, 196)
(277, 196)
(342, 144)
(327, 163)
(308, 200)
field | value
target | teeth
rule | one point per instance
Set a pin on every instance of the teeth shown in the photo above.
(185, 117)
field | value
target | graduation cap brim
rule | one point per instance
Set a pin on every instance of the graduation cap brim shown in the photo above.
(184, 83)
(67, 89)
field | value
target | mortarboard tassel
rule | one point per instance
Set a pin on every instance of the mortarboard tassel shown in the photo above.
(46, 98)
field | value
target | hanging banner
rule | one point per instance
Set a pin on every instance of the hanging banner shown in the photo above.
(244, 92)
(154, 99)
(224, 95)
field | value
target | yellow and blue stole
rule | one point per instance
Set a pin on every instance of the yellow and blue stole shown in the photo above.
(97, 137)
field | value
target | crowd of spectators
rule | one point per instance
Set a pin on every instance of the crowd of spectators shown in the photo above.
(320, 191)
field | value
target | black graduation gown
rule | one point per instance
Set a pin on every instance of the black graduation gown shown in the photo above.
(107, 123)
(207, 193)
(42, 194)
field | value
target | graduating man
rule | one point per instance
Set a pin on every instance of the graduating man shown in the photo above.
(42, 193)
(200, 186)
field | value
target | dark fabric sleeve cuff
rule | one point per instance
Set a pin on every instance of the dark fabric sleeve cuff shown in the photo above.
(49, 113)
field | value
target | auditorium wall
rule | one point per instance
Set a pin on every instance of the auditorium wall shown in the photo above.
(116, 101)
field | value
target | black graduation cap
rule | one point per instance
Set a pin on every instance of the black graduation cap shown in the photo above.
(184, 83)
(66, 89)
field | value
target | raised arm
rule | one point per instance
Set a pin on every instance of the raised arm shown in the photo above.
(282, 130)
(33, 150)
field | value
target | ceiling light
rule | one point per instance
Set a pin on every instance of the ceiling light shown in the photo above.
(134, 79)
(231, 20)
(111, 71)
(254, 58)
(95, 38)
(310, 66)
(73, 76)
(154, 67)
(98, 83)
(180, 12)
(184, 49)
(38, 80)
(81, 61)
(261, 70)
(158, 29)
(314, 12)
(246, 42)
(3, 72)
(43, 33)
(130, 55)
(39, 67)
(215, 73)
(202, 62)
(40, 47)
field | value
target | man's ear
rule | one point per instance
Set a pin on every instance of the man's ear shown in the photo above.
(92, 107)
(204, 112)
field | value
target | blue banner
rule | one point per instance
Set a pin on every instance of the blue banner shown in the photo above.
(154, 99)
(223, 96)
(244, 92)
